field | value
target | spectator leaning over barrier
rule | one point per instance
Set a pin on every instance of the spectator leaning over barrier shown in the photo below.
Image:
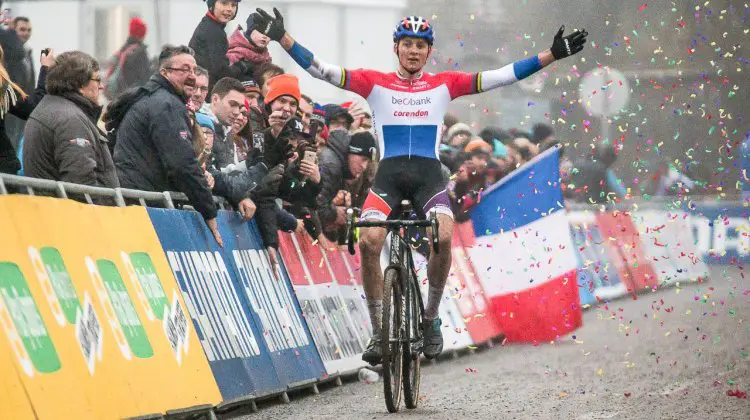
(13, 100)
(256, 119)
(249, 46)
(200, 91)
(227, 101)
(281, 103)
(299, 187)
(154, 149)
(204, 151)
(62, 141)
(344, 158)
(210, 43)
(240, 135)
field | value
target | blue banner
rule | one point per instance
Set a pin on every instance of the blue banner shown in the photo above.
(249, 324)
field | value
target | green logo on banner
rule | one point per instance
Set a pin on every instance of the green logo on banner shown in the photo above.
(27, 320)
(125, 310)
(61, 283)
(150, 282)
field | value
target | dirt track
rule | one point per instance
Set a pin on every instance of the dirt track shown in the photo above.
(633, 359)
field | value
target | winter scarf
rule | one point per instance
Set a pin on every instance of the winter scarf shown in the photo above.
(240, 48)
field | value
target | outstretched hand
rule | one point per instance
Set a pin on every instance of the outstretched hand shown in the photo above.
(274, 28)
(568, 45)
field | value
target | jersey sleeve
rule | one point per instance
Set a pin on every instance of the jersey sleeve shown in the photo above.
(360, 81)
(460, 83)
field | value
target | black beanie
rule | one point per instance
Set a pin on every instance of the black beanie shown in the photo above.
(254, 20)
(362, 144)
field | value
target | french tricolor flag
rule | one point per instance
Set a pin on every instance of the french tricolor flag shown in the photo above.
(524, 254)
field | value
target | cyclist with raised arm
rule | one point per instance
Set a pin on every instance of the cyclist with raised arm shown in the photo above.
(408, 107)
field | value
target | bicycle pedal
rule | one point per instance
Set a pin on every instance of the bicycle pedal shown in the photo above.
(417, 345)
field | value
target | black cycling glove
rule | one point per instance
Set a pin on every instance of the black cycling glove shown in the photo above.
(566, 46)
(274, 28)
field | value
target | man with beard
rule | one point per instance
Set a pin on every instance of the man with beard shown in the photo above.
(154, 149)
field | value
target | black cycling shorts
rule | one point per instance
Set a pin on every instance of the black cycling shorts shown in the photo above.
(421, 180)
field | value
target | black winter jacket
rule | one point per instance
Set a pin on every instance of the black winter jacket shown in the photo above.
(292, 189)
(210, 44)
(237, 185)
(62, 142)
(154, 149)
(9, 163)
(334, 170)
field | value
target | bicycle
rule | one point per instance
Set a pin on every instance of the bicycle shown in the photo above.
(403, 309)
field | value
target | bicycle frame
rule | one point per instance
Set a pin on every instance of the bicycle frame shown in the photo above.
(400, 257)
(401, 295)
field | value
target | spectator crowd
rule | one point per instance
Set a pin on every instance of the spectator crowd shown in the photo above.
(218, 118)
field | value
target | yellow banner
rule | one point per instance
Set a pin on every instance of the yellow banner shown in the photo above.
(92, 324)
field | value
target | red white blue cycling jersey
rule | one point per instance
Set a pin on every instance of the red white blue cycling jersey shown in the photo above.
(408, 114)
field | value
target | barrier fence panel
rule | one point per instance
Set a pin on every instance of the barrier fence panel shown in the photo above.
(455, 333)
(598, 277)
(335, 329)
(249, 323)
(626, 250)
(91, 315)
(721, 231)
(669, 245)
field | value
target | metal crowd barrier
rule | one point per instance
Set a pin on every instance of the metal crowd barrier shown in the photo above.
(120, 196)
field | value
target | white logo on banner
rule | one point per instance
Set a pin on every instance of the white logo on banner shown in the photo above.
(177, 328)
(88, 332)
(208, 293)
(271, 300)
(717, 238)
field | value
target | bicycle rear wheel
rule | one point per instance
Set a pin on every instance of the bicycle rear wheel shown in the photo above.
(412, 346)
(392, 333)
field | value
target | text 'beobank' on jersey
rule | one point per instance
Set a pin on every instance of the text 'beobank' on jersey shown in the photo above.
(408, 114)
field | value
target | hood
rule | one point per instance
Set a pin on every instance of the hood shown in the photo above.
(240, 48)
(117, 109)
(338, 142)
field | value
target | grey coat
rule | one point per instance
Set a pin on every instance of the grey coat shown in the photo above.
(62, 142)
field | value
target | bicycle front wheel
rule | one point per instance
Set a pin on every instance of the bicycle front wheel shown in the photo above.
(412, 346)
(392, 332)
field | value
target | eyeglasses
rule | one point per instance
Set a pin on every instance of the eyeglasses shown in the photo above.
(183, 70)
(96, 79)
(202, 89)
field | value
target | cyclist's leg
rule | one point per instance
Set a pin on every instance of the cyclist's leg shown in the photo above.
(433, 198)
(371, 242)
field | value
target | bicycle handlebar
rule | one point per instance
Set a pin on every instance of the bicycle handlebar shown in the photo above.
(352, 224)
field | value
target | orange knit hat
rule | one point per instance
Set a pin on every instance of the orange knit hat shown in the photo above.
(282, 85)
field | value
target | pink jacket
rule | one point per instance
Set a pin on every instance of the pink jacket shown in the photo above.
(241, 49)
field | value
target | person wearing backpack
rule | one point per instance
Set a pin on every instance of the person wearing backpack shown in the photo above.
(130, 65)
